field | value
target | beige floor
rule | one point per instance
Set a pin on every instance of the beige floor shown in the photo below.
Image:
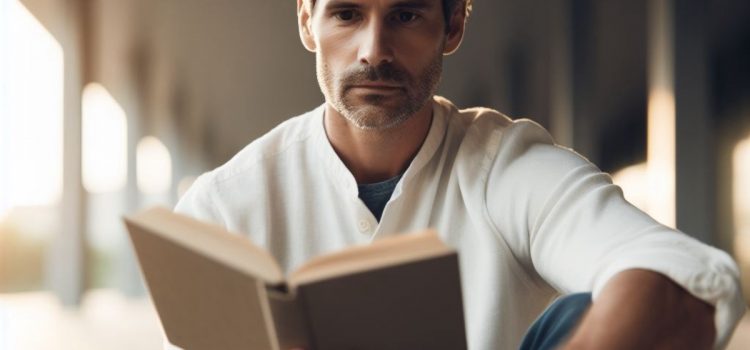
(108, 321)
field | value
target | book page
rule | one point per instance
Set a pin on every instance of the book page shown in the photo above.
(385, 252)
(211, 241)
(203, 304)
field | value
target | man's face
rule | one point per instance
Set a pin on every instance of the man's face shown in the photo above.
(378, 61)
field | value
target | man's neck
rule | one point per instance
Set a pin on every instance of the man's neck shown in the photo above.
(377, 155)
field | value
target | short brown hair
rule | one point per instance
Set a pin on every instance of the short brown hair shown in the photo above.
(448, 7)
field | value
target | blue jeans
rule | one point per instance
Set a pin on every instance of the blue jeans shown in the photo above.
(557, 322)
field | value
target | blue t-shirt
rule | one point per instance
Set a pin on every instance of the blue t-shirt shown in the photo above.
(376, 195)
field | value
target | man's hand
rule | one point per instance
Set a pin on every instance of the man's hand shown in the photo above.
(640, 309)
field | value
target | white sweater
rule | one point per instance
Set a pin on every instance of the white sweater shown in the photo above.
(529, 219)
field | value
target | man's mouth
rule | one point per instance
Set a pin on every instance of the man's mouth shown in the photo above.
(377, 87)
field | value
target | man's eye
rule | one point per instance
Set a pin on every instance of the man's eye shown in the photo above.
(406, 17)
(345, 16)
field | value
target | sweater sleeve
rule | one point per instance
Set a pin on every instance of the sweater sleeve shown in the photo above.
(198, 202)
(565, 219)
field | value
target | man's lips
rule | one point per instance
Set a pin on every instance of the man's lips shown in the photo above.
(384, 87)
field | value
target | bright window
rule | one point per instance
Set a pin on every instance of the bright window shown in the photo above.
(153, 166)
(105, 155)
(31, 130)
(31, 110)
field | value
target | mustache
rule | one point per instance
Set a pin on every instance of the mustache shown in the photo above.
(385, 72)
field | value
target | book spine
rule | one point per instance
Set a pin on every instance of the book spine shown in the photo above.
(266, 305)
(289, 319)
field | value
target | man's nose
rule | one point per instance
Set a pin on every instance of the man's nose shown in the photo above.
(375, 48)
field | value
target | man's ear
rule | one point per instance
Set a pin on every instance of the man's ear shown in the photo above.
(455, 34)
(304, 23)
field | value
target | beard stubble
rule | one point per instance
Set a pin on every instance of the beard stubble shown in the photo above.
(374, 112)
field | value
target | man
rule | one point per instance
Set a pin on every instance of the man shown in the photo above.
(528, 218)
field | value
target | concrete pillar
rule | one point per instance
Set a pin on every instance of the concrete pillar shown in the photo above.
(695, 144)
(66, 260)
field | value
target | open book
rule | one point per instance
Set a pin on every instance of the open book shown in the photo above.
(216, 290)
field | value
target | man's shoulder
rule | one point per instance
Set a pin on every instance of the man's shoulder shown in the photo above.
(486, 125)
(292, 135)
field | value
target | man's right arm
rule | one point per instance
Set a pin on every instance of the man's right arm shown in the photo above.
(640, 309)
(564, 218)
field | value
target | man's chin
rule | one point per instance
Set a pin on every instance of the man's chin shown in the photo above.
(376, 117)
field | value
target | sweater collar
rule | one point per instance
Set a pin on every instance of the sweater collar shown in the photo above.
(343, 178)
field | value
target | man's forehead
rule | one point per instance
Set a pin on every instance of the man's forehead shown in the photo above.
(375, 3)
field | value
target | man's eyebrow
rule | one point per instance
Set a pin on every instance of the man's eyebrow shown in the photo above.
(413, 4)
(408, 4)
(339, 4)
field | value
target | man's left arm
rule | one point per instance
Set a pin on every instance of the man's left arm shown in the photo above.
(641, 309)
(565, 219)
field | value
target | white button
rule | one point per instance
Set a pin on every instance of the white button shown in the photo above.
(364, 225)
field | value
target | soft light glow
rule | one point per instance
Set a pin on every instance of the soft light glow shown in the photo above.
(104, 143)
(661, 114)
(741, 202)
(661, 156)
(634, 183)
(31, 110)
(154, 166)
(741, 188)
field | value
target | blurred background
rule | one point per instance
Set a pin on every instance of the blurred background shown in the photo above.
(107, 106)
